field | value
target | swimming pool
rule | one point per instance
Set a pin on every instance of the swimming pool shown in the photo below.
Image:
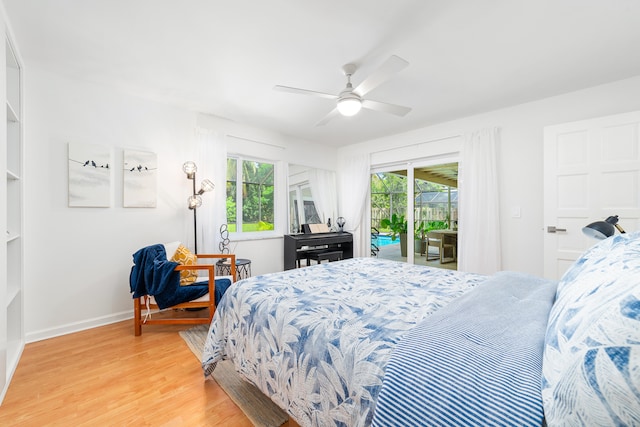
(384, 240)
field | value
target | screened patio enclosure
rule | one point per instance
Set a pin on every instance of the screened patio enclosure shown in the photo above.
(433, 200)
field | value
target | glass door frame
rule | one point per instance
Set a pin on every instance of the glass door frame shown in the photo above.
(409, 166)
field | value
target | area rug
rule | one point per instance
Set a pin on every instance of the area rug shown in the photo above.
(256, 406)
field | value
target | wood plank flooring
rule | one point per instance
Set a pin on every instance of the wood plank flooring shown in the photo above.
(108, 377)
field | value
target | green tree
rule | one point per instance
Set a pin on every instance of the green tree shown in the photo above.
(258, 192)
(388, 197)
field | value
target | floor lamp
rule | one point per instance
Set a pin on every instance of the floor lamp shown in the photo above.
(195, 200)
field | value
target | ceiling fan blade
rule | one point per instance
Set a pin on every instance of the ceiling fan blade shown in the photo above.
(328, 117)
(391, 66)
(304, 92)
(397, 110)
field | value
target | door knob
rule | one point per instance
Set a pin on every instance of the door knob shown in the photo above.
(553, 229)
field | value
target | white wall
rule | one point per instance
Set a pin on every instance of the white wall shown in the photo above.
(77, 260)
(520, 156)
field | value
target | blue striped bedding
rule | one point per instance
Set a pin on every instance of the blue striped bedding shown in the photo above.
(475, 362)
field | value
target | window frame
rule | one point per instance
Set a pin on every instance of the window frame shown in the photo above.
(239, 234)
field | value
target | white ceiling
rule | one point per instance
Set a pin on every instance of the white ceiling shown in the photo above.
(224, 57)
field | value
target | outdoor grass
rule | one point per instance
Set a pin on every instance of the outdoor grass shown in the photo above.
(248, 227)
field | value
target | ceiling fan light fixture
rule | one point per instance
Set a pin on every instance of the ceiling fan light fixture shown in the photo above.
(349, 105)
(350, 101)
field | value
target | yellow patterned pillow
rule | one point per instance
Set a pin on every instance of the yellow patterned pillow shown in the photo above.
(184, 257)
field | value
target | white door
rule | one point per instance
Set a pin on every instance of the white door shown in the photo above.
(591, 171)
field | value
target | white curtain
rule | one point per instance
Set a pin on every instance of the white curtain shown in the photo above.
(212, 165)
(354, 179)
(478, 216)
(323, 190)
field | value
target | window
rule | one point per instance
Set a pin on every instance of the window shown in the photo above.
(250, 205)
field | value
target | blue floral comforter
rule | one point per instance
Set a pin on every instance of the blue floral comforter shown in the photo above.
(316, 340)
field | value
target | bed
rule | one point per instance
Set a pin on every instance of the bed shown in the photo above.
(372, 342)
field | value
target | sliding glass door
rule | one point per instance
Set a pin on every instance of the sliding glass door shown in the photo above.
(414, 213)
(389, 214)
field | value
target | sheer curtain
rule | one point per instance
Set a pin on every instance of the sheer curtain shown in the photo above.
(354, 178)
(212, 152)
(479, 221)
(323, 190)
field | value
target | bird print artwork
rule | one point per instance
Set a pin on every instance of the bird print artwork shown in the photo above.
(140, 176)
(89, 175)
(140, 168)
(93, 163)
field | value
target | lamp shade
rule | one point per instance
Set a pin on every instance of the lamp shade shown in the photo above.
(194, 201)
(601, 229)
(189, 168)
(206, 186)
(349, 105)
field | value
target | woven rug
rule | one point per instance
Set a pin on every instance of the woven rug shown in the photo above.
(256, 406)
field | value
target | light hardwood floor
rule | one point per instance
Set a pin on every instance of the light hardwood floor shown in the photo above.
(108, 377)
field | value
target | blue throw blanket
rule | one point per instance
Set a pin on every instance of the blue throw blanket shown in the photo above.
(153, 274)
(475, 362)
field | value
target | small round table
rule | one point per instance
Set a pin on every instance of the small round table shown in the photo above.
(243, 268)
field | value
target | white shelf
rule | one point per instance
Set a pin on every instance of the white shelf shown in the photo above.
(13, 82)
(11, 264)
(12, 294)
(12, 176)
(10, 57)
(15, 335)
(14, 351)
(12, 236)
(11, 114)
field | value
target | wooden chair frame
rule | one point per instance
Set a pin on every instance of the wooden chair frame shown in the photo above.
(141, 303)
(443, 243)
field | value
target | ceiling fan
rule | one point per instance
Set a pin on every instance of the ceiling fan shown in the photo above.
(350, 100)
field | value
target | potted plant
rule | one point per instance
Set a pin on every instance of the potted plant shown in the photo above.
(398, 227)
(436, 225)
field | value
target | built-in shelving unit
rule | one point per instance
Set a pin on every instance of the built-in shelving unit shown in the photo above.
(11, 279)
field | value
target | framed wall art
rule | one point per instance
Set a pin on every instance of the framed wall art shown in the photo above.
(90, 175)
(140, 173)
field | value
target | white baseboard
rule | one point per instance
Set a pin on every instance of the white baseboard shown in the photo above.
(69, 328)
